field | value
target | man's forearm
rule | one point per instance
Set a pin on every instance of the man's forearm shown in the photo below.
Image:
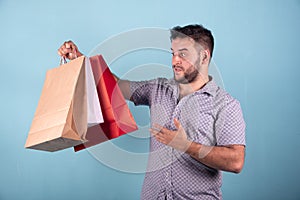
(226, 158)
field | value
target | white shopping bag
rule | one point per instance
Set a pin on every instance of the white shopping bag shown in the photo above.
(93, 105)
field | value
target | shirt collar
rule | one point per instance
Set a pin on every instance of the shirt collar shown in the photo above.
(210, 87)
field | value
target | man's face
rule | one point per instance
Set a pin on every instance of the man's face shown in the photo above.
(185, 60)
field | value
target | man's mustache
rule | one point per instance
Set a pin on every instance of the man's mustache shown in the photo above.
(177, 66)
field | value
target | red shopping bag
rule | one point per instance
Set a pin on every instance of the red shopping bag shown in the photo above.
(118, 119)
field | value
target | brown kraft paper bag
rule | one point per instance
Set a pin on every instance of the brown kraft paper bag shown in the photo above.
(60, 120)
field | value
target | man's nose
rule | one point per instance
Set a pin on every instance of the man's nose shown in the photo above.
(176, 60)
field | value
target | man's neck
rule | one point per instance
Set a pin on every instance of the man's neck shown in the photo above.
(186, 89)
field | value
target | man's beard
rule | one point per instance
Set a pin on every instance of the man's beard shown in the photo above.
(190, 74)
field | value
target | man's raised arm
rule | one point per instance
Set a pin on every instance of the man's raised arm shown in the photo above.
(70, 51)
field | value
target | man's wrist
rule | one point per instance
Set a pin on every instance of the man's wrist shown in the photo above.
(198, 151)
(186, 145)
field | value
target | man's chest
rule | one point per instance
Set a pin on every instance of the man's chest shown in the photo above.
(196, 113)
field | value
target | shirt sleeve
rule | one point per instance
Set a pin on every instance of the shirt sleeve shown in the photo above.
(230, 125)
(140, 92)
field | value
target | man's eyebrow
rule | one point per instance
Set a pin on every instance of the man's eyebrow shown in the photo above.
(183, 49)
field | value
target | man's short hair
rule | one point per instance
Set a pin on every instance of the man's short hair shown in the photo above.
(197, 32)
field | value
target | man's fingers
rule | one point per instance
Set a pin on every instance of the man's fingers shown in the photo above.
(68, 50)
(154, 131)
(157, 126)
(67, 45)
(59, 52)
(70, 46)
(160, 128)
(159, 136)
(62, 51)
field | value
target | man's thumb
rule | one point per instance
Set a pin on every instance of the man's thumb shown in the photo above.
(177, 124)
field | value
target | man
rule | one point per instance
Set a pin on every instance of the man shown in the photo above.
(197, 128)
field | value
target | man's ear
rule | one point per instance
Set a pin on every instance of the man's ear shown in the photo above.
(205, 56)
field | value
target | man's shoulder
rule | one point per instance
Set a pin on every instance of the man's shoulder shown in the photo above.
(156, 83)
(222, 95)
(228, 101)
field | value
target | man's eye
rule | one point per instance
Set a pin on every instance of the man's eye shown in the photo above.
(182, 54)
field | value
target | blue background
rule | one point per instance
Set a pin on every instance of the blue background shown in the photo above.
(257, 52)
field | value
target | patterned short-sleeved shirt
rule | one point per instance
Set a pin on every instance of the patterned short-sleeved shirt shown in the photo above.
(210, 116)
